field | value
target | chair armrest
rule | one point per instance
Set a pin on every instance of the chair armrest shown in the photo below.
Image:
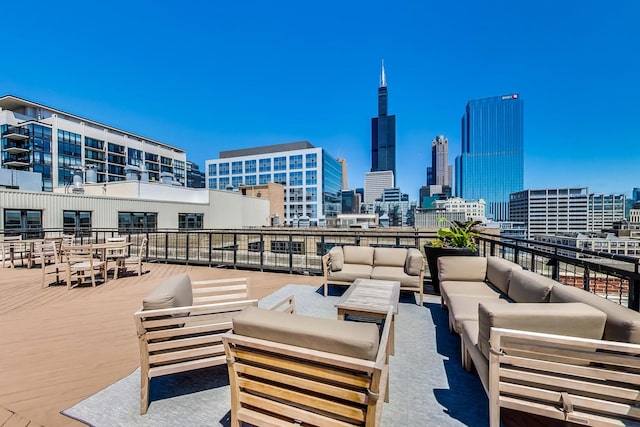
(286, 305)
(220, 290)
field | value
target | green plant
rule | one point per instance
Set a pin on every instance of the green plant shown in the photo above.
(457, 235)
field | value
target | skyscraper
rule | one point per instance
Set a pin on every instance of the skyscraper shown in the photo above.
(383, 133)
(440, 161)
(491, 163)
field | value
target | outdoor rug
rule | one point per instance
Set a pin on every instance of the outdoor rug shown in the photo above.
(428, 386)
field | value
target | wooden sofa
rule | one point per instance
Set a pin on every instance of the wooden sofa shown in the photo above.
(181, 323)
(342, 265)
(543, 347)
(286, 369)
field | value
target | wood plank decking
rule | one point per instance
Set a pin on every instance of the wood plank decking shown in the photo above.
(59, 346)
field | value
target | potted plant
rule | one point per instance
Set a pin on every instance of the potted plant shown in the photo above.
(456, 239)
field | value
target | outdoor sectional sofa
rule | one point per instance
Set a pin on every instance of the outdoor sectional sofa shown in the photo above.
(344, 264)
(540, 346)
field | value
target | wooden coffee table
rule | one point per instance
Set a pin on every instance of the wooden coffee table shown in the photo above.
(371, 299)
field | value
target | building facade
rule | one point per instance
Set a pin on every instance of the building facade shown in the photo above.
(491, 163)
(440, 174)
(473, 210)
(311, 177)
(375, 183)
(383, 133)
(559, 210)
(57, 145)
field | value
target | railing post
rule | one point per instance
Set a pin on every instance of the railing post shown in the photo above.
(166, 247)
(492, 248)
(290, 253)
(261, 251)
(186, 253)
(634, 291)
(586, 279)
(210, 242)
(235, 250)
(533, 262)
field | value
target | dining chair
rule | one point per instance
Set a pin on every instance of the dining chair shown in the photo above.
(67, 240)
(116, 254)
(81, 265)
(11, 247)
(136, 259)
(49, 258)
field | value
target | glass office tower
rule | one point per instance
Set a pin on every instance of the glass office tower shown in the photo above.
(491, 163)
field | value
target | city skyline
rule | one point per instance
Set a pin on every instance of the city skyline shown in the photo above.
(215, 78)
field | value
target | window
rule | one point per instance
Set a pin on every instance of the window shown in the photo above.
(250, 180)
(137, 222)
(312, 177)
(265, 165)
(236, 168)
(77, 222)
(223, 183)
(190, 221)
(280, 164)
(312, 194)
(213, 183)
(249, 166)
(213, 169)
(265, 178)
(312, 160)
(223, 169)
(236, 181)
(295, 162)
(27, 223)
(295, 178)
(280, 178)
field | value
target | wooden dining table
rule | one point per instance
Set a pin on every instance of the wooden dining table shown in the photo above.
(103, 248)
(24, 247)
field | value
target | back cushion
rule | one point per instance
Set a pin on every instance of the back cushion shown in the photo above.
(414, 264)
(389, 257)
(336, 256)
(174, 291)
(358, 255)
(462, 268)
(499, 272)
(571, 319)
(623, 324)
(527, 286)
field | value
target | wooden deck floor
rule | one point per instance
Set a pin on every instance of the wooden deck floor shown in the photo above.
(59, 346)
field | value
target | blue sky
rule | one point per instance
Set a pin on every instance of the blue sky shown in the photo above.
(208, 76)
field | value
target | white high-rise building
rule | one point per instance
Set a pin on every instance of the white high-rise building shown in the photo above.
(57, 144)
(375, 183)
(311, 177)
(473, 210)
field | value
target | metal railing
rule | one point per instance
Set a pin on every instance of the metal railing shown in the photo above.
(615, 277)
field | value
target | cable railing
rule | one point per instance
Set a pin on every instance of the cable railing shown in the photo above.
(294, 250)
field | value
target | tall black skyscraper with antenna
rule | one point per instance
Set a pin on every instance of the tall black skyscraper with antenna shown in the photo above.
(383, 133)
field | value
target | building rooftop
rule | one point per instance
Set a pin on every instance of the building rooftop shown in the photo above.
(267, 149)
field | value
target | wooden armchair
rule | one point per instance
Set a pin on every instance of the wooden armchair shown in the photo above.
(286, 369)
(82, 265)
(578, 380)
(181, 323)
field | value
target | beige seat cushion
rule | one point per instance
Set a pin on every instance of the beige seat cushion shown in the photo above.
(463, 308)
(336, 257)
(469, 336)
(351, 272)
(478, 289)
(572, 319)
(414, 264)
(463, 268)
(499, 271)
(358, 255)
(359, 340)
(529, 287)
(394, 273)
(622, 324)
(174, 291)
(389, 257)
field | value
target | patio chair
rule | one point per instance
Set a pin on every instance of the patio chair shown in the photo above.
(81, 265)
(116, 254)
(286, 369)
(11, 250)
(180, 325)
(135, 260)
(48, 256)
(67, 240)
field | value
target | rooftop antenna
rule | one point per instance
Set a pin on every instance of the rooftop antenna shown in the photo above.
(383, 78)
